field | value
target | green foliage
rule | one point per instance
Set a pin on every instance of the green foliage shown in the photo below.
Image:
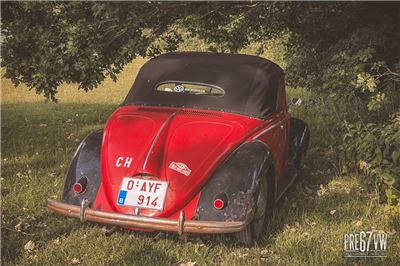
(376, 147)
(47, 44)
(360, 73)
(372, 144)
(372, 136)
(377, 151)
(357, 68)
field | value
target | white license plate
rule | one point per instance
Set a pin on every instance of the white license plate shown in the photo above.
(142, 193)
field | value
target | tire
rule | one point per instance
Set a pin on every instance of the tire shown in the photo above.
(256, 227)
(303, 147)
(246, 237)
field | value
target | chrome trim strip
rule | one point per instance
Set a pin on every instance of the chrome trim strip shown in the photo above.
(156, 138)
(264, 131)
(302, 136)
(270, 128)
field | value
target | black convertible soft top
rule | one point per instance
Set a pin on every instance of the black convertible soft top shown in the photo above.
(249, 83)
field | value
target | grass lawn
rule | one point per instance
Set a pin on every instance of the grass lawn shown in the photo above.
(39, 139)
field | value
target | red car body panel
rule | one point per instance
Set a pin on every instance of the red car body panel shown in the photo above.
(275, 134)
(200, 139)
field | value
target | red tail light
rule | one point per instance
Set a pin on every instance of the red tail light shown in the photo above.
(218, 204)
(80, 186)
(220, 201)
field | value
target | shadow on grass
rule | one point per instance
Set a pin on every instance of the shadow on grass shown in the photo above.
(38, 141)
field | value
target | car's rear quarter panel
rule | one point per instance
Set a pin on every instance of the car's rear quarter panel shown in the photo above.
(274, 134)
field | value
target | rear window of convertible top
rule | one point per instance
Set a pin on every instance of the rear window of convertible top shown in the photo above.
(190, 88)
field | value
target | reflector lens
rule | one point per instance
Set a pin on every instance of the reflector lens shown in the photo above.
(80, 186)
(219, 204)
(77, 188)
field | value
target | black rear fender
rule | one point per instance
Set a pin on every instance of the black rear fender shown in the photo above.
(238, 178)
(85, 163)
(299, 140)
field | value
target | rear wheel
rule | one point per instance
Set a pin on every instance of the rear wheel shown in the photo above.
(246, 237)
(255, 228)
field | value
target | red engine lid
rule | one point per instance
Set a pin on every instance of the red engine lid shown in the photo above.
(180, 146)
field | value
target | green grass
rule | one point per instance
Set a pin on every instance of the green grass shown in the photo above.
(39, 139)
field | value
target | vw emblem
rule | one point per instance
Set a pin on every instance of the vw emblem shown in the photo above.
(179, 88)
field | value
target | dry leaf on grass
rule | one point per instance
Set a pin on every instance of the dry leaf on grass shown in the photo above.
(51, 174)
(19, 227)
(357, 223)
(347, 190)
(29, 246)
(377, 231)
(74, 261)
(289, 228)
(239, 254)
(27, 218)
(267, 255)
(104, 229)
(189, 263)
(22, 226)
(310, 222)
(57, 241)
(322, 191)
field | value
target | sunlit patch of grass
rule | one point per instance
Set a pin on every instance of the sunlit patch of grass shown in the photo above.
(108, 92)
(39, 139)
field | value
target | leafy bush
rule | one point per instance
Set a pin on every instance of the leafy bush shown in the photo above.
(376, 149)
(371, 138)
(364, 91)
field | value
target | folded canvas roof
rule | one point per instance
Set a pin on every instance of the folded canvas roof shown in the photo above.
(249, 83)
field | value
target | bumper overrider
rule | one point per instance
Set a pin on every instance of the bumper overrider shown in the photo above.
(84, 213)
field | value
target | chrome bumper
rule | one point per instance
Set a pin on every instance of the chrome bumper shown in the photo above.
(159, 224)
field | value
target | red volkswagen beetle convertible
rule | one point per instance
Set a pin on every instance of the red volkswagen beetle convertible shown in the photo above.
(203, 143)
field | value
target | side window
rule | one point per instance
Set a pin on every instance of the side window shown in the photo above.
(281, 100)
